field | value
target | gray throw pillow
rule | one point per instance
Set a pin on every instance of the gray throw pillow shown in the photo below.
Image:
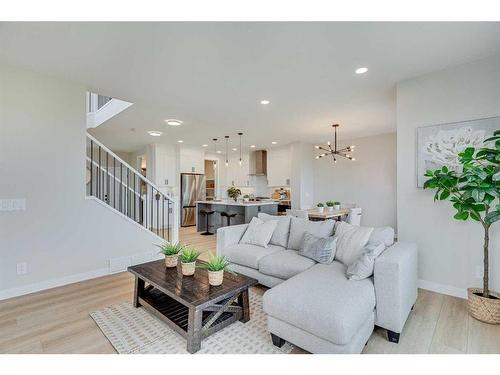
(280, 234)
(258, 232)
(299, 227)
(362, 268)
(322, 250)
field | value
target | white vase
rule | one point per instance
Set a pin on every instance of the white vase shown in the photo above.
(336, 207)
(330, 208)
(321, 209)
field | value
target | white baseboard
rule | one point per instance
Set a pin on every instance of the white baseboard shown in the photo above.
(443, 289)
(48, 284)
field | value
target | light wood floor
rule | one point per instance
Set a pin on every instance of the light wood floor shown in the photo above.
(57, 320)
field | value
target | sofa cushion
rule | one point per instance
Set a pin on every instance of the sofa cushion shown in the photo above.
(284, 264)
(280, 234)
(259, 232)
(321, 250)
(350, 241)
(299, 227)
(384, 235)
(249, 255)
(323, 302)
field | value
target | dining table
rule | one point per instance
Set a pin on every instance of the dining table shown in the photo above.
(315, 215)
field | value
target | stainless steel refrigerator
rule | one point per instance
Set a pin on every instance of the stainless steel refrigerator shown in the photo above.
(192, 190)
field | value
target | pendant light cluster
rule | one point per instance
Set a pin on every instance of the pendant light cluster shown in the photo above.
(328, 150)
(226, 137)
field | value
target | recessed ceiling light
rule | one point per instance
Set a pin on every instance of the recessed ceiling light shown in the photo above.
(173, 122)
(265, 102)
(252, 146)
(205, 145)
(274, 142)
(362, 70)
(155, 133)
(219, 151)
(180, 141)
(235, 149)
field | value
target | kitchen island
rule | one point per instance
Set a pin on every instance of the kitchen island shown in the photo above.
(244, 211)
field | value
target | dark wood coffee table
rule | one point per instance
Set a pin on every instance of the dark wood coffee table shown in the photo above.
(188, 304)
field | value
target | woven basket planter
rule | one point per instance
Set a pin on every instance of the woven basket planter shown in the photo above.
(215, 278)
(484, 309)
(171, 260)
(188, 268)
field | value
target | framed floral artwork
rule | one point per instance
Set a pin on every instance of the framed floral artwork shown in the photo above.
(439, 145)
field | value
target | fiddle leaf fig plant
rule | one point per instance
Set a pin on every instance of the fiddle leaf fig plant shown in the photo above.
(474, 191)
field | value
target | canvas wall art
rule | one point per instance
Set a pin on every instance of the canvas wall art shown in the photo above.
(439, 145)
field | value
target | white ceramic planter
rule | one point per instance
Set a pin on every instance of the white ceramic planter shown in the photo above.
(330, 208)
(171, 260)
(336, 207)
(188, 268)
(215, 278)
(320, 209)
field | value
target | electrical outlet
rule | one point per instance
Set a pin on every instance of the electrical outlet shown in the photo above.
(22, 268)
(479, 272)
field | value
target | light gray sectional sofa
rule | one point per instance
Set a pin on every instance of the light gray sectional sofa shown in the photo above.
(315, 306)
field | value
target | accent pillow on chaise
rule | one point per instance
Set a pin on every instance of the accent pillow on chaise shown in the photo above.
(280, 235)
(259, 232)
(362, 268)
(322, 250)
(351, 239)
(299, 227)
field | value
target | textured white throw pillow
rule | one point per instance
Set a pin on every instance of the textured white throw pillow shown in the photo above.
(259, 232)
(362, 268)
(299, 227)
(280, 235)
(350, 242)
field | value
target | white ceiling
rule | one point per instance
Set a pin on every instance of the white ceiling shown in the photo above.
(213, 75)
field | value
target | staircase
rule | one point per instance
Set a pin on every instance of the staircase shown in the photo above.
(101, 108)
(122, 188)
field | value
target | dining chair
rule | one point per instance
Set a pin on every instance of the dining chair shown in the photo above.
(301, 214)
(354, 216)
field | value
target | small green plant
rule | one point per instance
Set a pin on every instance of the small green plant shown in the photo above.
(233, 192)
(330, 203)
(169, 248)
(217, 263)
(336, 203)
(320, 205)
(189, 255)
(246, 196)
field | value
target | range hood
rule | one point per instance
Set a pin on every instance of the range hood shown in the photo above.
(258, 163)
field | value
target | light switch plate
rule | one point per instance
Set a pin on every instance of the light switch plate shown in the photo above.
(22, 268)
(17, 204)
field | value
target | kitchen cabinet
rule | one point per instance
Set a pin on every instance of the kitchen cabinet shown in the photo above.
(191, 160)
(278, 167)
(164, 166)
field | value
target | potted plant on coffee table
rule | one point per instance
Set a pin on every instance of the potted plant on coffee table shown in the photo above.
(330, 204)
(188, 258)
(475, 194)
(234, 193)
(215, 268)
(321, 207)
(171, 252)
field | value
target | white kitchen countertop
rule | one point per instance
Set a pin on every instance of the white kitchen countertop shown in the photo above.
(243, 204)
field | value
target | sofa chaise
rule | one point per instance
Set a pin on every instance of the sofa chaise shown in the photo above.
(315, 306)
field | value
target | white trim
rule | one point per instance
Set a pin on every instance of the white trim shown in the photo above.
(49, 284)
(92, 198)
(443, 289)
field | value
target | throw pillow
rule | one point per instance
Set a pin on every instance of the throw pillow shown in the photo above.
(362, 268)
(259, 232)
(350, 242)
(280, 235)
(322, 250)
(384, 235)
(299, 227)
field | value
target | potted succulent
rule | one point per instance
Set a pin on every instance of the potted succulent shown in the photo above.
(336, 206)
(246, 198)
(215, 268)
(329, 204)
(474, 191)
(188, 258)
(171, 252)
(234, 193)
(321, 207)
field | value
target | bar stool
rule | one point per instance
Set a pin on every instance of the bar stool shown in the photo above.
(206, 213)
(228, 216)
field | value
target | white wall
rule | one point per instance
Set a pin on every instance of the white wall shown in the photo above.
(449, 250)
(302, 175)
(61, 235)
(370, 181)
